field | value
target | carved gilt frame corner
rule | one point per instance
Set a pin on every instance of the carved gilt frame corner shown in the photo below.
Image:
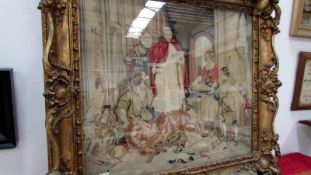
(61, 61)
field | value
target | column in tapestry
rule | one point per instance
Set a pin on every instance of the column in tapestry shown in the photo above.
(233, 45)
(115, 50)
(93, 41)
(233, 50)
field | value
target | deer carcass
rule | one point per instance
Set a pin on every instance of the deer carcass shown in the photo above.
(149, 138)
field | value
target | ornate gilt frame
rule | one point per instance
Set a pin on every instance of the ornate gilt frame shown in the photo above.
(61, 61)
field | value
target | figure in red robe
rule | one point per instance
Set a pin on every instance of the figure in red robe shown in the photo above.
(207, 86)
(168, 76)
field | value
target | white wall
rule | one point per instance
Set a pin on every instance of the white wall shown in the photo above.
(20, 49)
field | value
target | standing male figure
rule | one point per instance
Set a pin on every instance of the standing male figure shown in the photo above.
(168, 77)
(229, 103)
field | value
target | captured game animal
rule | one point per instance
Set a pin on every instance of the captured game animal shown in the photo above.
(150, 138)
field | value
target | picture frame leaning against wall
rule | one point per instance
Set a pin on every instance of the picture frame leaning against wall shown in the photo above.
(161, 87)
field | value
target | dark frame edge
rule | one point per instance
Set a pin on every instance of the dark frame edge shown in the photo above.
(295, 106)
(11, 141)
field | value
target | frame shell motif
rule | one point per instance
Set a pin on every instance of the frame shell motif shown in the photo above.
(61, 61)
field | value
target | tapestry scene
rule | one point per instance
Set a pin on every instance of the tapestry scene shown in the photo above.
(165, 86)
